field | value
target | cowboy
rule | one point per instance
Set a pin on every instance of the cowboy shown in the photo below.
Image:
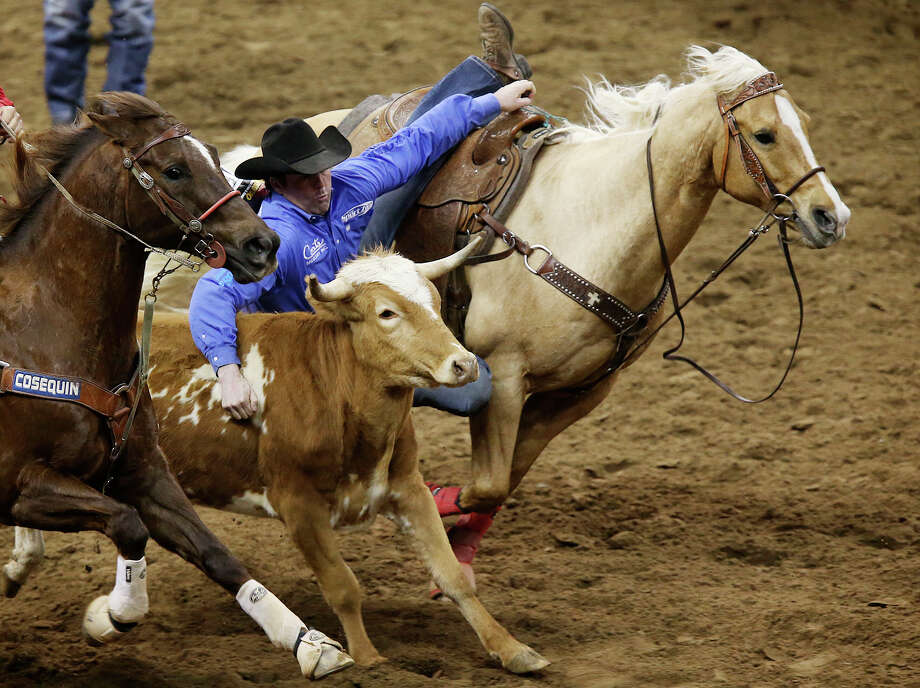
(321, 203)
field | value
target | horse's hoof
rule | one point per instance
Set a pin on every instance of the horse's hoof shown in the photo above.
(319, 655)
(526, 661)
(8, 586)
(98, 625)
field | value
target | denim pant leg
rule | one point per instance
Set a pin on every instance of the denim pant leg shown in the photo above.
(66, 30)
(130, 44)
(472, 77)
(461, 401)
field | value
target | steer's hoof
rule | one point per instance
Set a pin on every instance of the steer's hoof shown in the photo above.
(526, 661)
(319, 655)
(98, 625)
(8, 586)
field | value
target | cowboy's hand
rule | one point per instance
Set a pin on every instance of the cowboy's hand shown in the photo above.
(236, 394)
(11, 118)
(515, 95)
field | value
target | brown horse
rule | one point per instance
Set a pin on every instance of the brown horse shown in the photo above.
(69, 287)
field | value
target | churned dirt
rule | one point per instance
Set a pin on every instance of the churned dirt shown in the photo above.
(673, 537)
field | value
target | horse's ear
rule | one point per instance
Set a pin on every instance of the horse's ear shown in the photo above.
(111, 124)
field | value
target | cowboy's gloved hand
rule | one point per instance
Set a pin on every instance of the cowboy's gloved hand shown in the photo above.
(515, 95)
(11, 118)
(236, 394)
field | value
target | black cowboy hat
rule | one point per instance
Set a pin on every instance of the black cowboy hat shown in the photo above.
(292, 147)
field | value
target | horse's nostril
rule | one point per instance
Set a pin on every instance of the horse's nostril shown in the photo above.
(258, 248)
(825, 221)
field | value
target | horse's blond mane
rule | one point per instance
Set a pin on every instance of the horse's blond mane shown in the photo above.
(613, 109)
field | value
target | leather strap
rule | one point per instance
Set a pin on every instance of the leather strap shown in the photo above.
(177, 130)
(585, 293)
(115, 406)
(766, 83)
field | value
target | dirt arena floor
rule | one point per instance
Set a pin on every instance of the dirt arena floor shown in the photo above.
(674, 537)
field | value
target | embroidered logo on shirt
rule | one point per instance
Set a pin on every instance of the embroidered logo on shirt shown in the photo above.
(313, 252)
(357, 210)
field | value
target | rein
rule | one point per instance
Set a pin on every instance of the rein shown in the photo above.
(762, 228)
(119, 405)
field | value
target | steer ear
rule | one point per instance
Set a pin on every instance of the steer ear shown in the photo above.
(437, 268)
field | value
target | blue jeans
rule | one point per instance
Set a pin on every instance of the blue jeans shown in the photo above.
(66, 32)
(472, 77)
(461, 401)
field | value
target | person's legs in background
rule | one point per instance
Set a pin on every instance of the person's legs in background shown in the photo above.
(66, 31)
(130, 45)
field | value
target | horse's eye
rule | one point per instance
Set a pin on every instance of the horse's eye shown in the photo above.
(173, 173)
(386, 314)
(765, 137)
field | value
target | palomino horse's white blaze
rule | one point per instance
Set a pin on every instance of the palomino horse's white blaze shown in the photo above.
(395, 272)
(791, 119)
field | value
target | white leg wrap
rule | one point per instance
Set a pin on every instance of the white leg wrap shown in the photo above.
(317, 654)
(27, 554)
(128, 601)
(280, 624)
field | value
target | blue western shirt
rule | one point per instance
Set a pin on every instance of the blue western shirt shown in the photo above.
(321, 244)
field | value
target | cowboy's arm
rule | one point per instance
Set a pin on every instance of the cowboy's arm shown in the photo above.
(10, 117)
(212, 320)
(390, 164)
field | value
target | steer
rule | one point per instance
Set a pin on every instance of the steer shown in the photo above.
(332, 445)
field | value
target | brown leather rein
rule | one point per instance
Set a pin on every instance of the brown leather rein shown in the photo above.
(119, 405)
(627, 324)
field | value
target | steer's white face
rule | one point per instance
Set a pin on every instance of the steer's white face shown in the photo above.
(395, 317)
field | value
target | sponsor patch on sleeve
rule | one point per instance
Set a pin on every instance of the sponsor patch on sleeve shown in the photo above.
(357, 210)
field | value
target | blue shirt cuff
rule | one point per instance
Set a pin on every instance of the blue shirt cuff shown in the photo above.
(484, 109)
(221, 356)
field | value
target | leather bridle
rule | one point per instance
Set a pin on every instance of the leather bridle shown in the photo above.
(207, 247)
(766, 83)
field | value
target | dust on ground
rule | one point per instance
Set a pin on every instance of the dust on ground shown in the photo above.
(671, 538)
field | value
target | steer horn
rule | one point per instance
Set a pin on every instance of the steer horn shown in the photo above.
(437, 268)
(336, 290)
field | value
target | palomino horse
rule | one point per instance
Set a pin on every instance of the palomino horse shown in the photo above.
(71, 267)
(588, 202)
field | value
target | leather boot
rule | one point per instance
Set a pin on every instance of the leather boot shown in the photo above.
(497, 38)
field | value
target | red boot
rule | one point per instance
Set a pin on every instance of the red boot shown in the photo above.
(464, 537)
(447, 499)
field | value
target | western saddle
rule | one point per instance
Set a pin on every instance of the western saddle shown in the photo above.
(487, 173)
